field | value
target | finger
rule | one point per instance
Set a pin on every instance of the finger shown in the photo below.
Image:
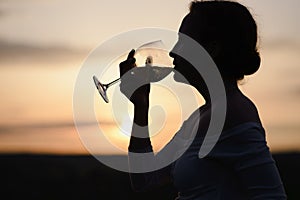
(131, 61)
(131, 54)
(126, 65)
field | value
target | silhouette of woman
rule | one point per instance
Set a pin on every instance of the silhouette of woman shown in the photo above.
(240, 165)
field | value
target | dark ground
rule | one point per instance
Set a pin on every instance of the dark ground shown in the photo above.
(84, 177)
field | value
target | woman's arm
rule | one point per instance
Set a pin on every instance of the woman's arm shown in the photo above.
(260, 179)
(140, 140)
(244, 150)
(141, 143)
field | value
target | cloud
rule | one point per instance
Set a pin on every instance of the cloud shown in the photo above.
(296, 91)
(2, 13)
(11, 52)
(280, 43)
(6, 128)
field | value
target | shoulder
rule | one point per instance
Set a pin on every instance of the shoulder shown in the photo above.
(240, 110)
(242, 142)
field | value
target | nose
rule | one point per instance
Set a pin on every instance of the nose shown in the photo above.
(176, 49)
(171, 54)
(173, 50)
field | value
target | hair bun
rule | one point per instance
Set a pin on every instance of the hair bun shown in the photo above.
(251, 63)
(238, 64)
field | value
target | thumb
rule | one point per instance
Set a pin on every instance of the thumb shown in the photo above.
(131, 54)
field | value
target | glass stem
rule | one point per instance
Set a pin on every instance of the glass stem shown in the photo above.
(113, 82)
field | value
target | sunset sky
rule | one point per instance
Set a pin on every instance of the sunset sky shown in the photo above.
(43, 45)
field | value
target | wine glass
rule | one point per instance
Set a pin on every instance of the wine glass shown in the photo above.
(155, 73)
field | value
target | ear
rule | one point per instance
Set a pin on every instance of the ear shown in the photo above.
(213, 48)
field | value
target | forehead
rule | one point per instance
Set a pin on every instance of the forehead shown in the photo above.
(186, 24)
(193, 26)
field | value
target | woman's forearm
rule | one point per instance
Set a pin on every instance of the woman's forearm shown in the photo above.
(140, 139)
(140, 143)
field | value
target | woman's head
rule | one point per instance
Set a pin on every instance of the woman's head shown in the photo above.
(228, 32)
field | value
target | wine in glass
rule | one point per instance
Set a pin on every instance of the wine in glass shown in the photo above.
(153, 73)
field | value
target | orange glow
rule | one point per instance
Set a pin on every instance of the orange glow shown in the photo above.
(39, 65)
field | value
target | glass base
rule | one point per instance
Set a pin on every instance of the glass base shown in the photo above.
(102, 88)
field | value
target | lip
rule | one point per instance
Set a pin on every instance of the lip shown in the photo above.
(175, 65)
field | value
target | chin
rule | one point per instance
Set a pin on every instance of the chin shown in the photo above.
(178, 77)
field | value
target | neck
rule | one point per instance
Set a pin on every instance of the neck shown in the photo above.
(230, 86)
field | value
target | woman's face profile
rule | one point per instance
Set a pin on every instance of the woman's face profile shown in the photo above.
(184, 71)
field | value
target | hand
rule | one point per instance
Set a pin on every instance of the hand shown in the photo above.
(129, 86)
